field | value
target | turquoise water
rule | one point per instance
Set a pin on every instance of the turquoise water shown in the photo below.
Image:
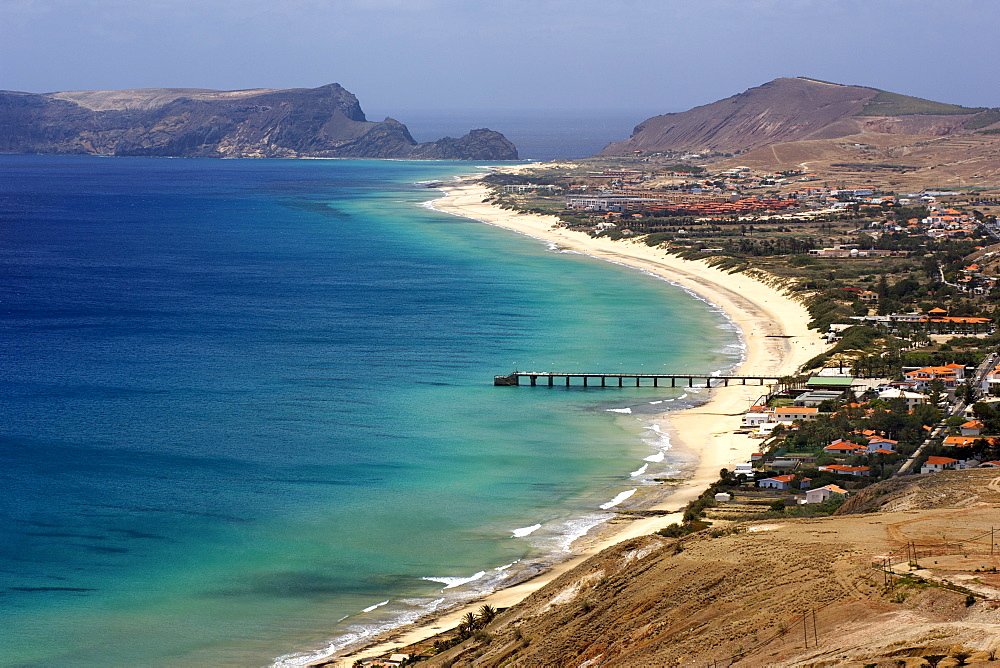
(249, 406)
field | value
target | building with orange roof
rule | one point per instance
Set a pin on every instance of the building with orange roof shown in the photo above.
(935, 464)
(842, 447)
(950, 375)
(860, 471)
(777, 482)
(793, 413)
(821, 494)
(960, 441)
(972, 428)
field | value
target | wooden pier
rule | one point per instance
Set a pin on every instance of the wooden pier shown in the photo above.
(549, 379)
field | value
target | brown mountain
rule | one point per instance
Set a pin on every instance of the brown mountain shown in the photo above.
(798, 109)
(324, 122)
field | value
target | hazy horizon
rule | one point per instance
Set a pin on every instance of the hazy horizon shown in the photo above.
(554, 55)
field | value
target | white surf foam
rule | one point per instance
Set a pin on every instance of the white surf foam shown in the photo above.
(618, 500)
(449, 583)
(526, 531)
(642, 469)
(372, 608)
(577, 528)
(626, 411)
(656, 459)
(359, 635)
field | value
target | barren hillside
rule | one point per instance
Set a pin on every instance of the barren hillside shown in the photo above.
(857, 133)
(838, 591)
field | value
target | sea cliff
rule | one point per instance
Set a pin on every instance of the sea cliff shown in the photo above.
(324, 122)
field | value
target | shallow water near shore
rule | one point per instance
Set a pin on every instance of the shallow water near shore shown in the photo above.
(249, 406)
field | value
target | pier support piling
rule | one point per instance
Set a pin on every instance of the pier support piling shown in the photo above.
(533, 377)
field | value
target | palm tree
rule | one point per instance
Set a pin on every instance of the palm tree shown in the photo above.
(486, 614)
(469, 623)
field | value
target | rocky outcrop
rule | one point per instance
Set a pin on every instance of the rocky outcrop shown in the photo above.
(324, 122)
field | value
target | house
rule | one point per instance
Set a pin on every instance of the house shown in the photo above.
(755, 419)
(842, 447)
(912, 398)
(860, 471)
(880, 443)
(821, 494)
(796, 413)
(777, 482)
(757, 456)
(991, 464)
(934, 464)
(744, 469)
(765, 430)
(950, 376)
(960, 441)
(867, 296)
(972, 428)
(991, 380)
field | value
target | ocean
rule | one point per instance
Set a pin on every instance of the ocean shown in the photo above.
(248, 410)
(539, 136)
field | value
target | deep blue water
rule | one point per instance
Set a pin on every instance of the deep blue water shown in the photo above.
(244, 401)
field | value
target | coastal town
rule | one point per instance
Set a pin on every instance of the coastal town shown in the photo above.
(381, 334)
(892, 382)
(902, 285)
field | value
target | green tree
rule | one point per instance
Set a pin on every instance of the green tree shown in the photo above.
(486, 614)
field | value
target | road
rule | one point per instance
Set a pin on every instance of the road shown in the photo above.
(956, 409)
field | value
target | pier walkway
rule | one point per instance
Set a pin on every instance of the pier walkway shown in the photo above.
(549, 379)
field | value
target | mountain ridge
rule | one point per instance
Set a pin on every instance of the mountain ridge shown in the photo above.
(323, 122)
(794, 109)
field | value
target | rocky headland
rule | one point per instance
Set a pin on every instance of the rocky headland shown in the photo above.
(324, 122)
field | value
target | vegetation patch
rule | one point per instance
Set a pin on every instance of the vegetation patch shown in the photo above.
(988, 117)
(873, 166)
(894, 104)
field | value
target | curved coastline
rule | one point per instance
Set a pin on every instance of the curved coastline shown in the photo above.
(776, 339)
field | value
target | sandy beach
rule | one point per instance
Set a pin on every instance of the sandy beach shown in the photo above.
(777, 339)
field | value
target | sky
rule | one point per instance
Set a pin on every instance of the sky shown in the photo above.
(575, 56)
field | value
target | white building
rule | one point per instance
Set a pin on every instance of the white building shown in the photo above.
(821, 494)
(935, 464)
(912, 398)
(755, 419)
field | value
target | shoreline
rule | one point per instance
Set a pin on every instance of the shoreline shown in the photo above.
(776, 339)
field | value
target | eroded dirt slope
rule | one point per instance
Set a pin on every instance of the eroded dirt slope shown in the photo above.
(780, 592)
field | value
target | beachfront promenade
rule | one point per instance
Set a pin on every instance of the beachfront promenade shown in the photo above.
(549, 379)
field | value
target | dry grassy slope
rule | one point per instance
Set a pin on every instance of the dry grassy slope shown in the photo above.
(781, 110)
(648, 602)
(964, 159)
